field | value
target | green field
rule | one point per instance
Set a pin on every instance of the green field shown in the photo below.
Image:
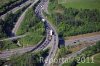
(31, 26)
(85, 4)
(96, 61)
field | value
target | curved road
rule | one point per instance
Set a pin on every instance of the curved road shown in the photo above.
(14, 30)
(21, 18)
(38, 11)
(42, 5)
(20, 51)
(40, 15)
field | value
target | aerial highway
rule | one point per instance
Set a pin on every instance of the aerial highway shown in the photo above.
(49, 40)
(20, 51)
(43, 5)
(82, 39)
(76, 41)
(39, 9)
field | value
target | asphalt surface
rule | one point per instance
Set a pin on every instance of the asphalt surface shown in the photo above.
(78, 40)
(13, 38)
(39, 9)
(20, 51)
(53, 50)
(40, 46)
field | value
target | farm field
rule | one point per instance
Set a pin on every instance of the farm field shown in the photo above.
(85, 4)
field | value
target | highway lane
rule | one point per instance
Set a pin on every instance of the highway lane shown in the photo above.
(6, 53)
(40, 15)
(38, 11)
(40, 46)
(19, 51)
(78, 40)
(52, 52)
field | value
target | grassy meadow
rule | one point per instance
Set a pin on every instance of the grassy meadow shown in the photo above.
(31, 26)
(85, 4)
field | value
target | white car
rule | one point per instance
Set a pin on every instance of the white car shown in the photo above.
(43, 20)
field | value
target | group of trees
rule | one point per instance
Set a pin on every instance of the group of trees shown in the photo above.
(7, 45)
(2, 33)
(6, 27)
(9, 4)
(9, 22)
(30, 23)
(91, 50)
(72, 21)
(63, 51)
(32, 26)
(82, 58)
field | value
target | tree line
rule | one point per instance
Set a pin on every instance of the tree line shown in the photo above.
(10, 5)
(8, 23)
(72, 21)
